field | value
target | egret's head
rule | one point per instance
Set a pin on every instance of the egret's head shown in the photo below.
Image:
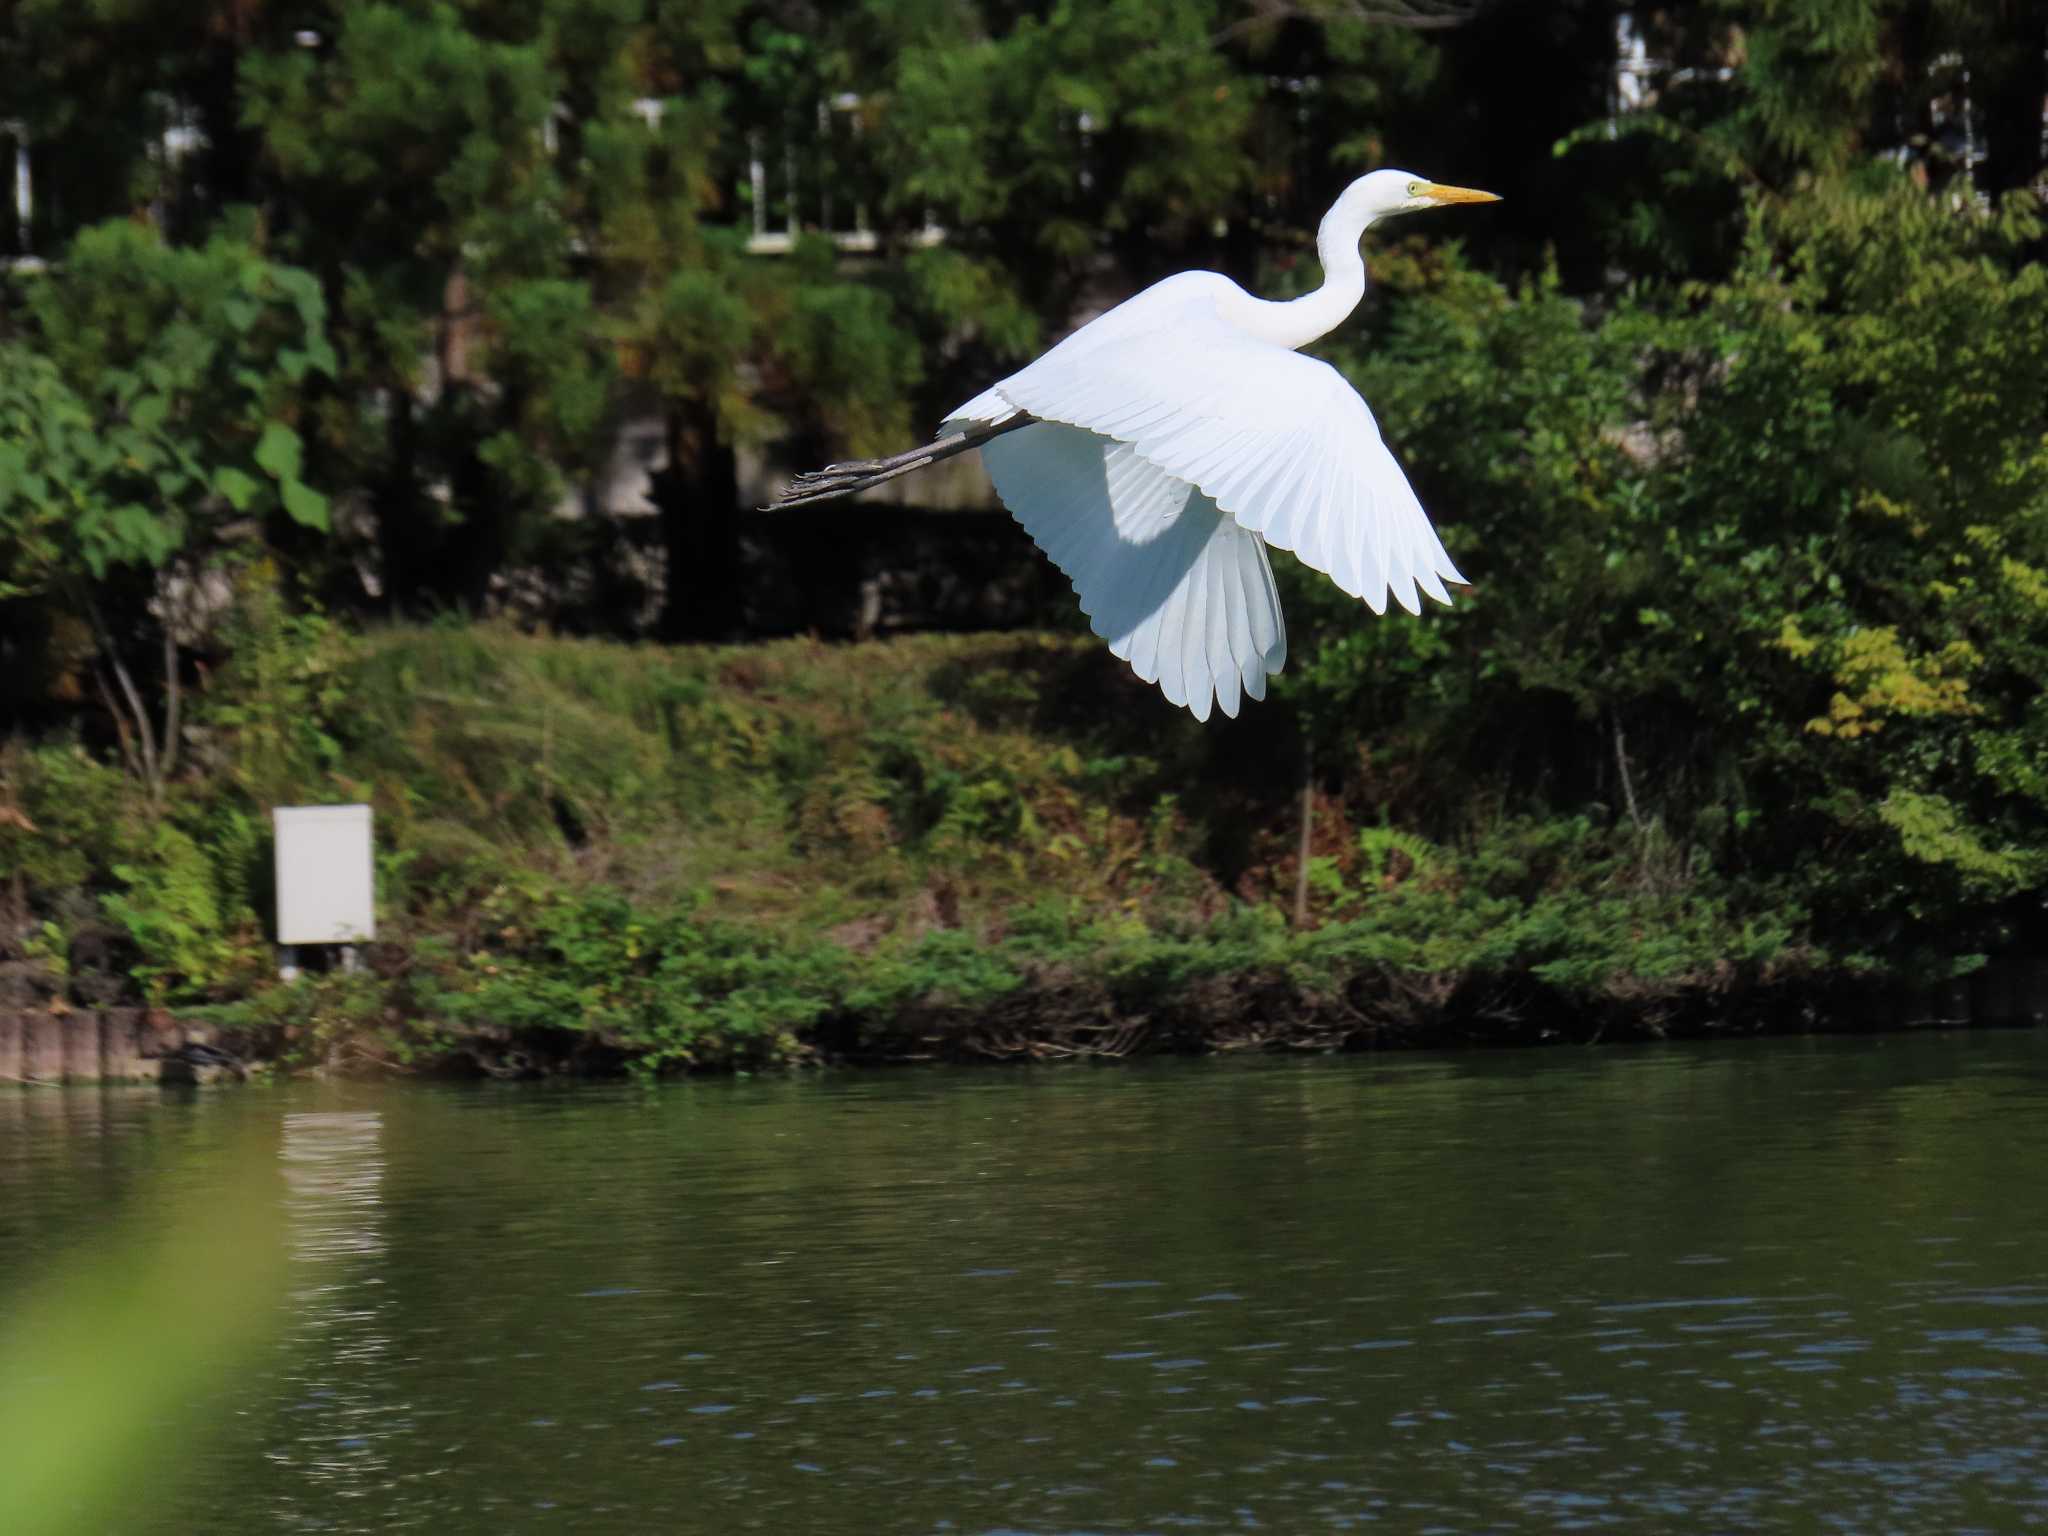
(1383, 194)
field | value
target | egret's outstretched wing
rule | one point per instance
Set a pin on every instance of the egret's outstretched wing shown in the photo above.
(1178, 590)
(1278, 440)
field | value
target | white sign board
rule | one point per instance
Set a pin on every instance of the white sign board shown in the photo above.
(325, 890)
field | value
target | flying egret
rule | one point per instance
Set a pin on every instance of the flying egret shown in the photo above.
(1157, 451)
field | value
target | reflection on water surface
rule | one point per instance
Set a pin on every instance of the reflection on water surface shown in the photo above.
(1769, 1286)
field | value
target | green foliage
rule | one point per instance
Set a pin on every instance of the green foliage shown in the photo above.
(273, 707)
(1564, 904)
(172, 909)
(1932, 830)
(691, 859)
(82, 817)
(147, 423)
(1757, 568)
(335, 1020)
(1808, 80)
(50, 455)
(657, 983)
(744, 848)
(940, 970)
(989, 134)
(157, 403)
(184, 881)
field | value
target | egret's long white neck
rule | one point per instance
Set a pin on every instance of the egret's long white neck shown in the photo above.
(1297, 322)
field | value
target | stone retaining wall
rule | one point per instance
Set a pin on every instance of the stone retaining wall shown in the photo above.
(108, 1045)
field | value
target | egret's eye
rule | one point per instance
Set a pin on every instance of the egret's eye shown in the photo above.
(1415, 189)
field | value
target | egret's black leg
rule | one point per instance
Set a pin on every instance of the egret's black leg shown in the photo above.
(859, 474)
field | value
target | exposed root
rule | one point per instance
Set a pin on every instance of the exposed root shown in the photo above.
(1112, 1041)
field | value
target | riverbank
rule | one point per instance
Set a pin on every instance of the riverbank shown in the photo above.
(1035, 1023)
(596, 857)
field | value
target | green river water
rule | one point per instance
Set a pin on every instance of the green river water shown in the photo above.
(1771, 1285)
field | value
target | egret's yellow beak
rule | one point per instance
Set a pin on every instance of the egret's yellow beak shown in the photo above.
(1442, 194)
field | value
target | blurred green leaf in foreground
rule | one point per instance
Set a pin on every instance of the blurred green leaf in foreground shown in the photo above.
(108, 1362)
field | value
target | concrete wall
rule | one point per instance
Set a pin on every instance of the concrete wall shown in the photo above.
(109, 1045)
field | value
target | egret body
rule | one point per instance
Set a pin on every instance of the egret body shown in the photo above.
(1157, 451)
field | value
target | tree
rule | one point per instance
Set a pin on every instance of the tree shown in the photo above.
(147, 425)
(1760, 571)
(406, 163)
(2007, 46)
(1787, 97)
(732, 349)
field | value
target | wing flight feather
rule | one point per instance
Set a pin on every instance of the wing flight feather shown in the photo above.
(1280, 441)
(1179, 590)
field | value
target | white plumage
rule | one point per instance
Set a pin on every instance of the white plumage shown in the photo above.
(1178, 588)
(1171, 439)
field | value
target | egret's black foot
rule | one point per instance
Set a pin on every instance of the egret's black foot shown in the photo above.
(856, 475)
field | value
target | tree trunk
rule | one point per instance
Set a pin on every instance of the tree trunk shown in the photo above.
(2015, 76)
(484, 537)
(167, 763)
(149, 757)
(228, 158)
(1308, 823)
(1547, 67)
(699, 497)
(398, 506)
(1628, 783)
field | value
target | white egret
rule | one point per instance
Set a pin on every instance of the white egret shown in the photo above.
(1156, 451)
